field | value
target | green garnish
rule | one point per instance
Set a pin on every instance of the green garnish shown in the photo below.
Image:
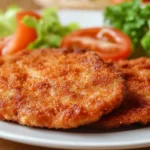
(49, 29)
(8, 21)
(134, 20)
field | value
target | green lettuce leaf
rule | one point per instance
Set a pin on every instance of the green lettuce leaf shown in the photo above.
(49, 29)
(8, 21)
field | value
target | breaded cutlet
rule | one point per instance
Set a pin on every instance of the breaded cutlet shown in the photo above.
(57, 89)
(136, 106)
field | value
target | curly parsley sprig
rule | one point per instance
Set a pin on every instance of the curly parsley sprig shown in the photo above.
(133, 19)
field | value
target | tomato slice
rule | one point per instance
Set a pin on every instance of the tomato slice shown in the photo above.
(109, 43)
(121, 1)
(146, 1)
(23, 35)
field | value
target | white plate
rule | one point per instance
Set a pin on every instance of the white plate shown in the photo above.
(85, 18)
(77, 139)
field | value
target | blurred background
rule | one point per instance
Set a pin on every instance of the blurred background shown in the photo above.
(28, 4)
(36, 4)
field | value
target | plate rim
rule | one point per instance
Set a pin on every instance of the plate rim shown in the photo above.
(70, 145)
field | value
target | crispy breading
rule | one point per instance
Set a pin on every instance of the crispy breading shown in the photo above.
(136, 107)
(57, 89)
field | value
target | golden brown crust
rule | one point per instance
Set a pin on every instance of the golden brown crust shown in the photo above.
(57, 89)
(136, 107)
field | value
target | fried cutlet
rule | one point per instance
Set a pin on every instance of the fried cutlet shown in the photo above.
(57, 89)
(136, 107)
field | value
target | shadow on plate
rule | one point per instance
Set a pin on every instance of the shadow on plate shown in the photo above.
(91, 130)
(86, 129)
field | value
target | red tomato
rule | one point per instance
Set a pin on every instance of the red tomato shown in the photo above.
(121, 1)
(146, 1)
(23, 35)
(109, 43)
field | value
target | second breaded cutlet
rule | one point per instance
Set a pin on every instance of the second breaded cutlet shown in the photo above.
(136, 106)
(57, 89)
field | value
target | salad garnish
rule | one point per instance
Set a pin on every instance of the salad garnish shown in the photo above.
(49, 29)
(132, 18)
(20, 29)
